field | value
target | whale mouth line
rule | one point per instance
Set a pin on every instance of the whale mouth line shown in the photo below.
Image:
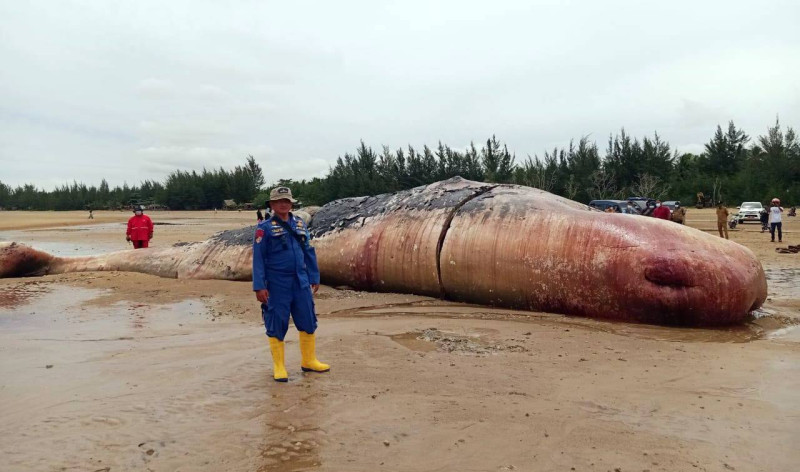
(668, 275)
(669, 283)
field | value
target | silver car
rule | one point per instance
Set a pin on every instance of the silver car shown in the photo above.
(749, 211)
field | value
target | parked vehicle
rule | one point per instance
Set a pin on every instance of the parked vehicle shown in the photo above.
(671, 205)
(645, 205)
(749, 211)
(619, 206)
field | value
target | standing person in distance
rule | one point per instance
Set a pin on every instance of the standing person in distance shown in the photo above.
(722, 220)
(661, 211)
(679, 214)
(775, 220)
(763, 217)
(140, 228)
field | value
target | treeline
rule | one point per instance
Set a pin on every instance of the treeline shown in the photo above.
(209, 189)
(733, 167)
(181, 190)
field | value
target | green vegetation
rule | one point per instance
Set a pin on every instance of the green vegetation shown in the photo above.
(730, 169)
(180, 191)
(733, 168)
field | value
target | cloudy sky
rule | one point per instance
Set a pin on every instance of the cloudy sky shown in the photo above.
(130, 90)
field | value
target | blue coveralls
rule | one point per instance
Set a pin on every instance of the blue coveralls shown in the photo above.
(286, 268)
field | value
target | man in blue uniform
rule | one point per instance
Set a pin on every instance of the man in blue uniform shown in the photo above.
(285, 275)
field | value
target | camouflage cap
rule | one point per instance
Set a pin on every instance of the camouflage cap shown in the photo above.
(280, 193)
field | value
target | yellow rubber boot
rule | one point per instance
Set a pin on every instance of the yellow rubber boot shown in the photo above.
(278, 368)
(308, 347)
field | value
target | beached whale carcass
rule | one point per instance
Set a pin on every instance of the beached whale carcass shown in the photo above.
(503, 245)
(515, 246)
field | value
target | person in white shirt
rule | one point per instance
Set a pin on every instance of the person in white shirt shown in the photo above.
(775, 222)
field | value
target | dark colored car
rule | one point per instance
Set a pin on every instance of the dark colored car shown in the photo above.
(643, 204)
(671, 204)
(620, 206)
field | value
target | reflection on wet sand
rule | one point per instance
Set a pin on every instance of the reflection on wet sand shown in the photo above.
(472, 342)
(14, 296)
(763, 324)
(414, 341)
(51, 241)
(292, 433)
(125, 386)
(783, 282)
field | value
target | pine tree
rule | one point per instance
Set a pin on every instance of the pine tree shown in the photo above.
(725, 154)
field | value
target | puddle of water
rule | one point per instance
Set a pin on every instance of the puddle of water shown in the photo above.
(763, 323)
(92, 227)
(60, 230)
(413, 342)
(783, 283)
(432, 339)
(56, 312)
(791, 334)
(163, 317)
(11, 297)
(85, 246)
(290, 455)
(170, 388)
(33, 307)
(736, 334)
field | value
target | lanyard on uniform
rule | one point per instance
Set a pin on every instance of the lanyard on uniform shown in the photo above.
(288, 228)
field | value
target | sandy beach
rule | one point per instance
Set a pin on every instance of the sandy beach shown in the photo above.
(113, 371)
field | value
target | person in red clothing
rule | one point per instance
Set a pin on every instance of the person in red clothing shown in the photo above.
(140, 228)
(661, 211)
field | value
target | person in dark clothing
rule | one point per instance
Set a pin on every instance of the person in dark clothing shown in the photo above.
(763, 216)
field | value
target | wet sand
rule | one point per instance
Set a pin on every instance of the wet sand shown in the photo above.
(119, 371)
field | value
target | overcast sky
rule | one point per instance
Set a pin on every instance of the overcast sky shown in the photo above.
(130, 90)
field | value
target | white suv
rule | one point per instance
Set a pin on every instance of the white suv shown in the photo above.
(749, 211)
